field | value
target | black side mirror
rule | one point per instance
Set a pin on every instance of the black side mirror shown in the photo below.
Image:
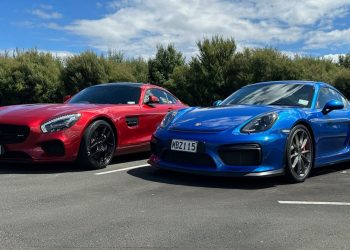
(152, 100)
(332, 105)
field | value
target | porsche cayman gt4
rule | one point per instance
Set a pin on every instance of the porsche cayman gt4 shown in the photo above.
(262, 129)
(93, 126)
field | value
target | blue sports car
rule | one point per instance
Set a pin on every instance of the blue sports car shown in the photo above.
(268, 128)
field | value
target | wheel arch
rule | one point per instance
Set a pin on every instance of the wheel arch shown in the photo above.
(109, 121)
(308, 126)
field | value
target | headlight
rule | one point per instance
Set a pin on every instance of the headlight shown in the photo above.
(261, 123)
(60, 123)
(168, 118)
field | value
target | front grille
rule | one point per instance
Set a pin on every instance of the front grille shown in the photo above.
(195, 159)
(11, 134)
(241, 154)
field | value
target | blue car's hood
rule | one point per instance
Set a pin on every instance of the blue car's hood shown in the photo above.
(217, 118)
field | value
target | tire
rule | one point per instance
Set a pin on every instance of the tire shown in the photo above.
(97, 146)
(299, 154)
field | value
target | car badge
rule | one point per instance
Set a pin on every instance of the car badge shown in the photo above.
(198, 124)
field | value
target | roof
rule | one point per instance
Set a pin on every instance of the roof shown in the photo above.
(296, 82)
(131, 84)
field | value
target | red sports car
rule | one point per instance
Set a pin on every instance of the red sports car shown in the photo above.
(93, 126)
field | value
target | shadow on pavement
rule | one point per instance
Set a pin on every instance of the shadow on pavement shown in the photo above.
(15, 168)
(55, 168)
(248, 183)
(185, 179)
(330, 169)
(131, 157)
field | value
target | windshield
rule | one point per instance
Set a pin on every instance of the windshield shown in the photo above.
(105, 94)
(273, 94)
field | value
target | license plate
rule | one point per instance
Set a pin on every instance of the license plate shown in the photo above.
(183, 145)
(2, 150)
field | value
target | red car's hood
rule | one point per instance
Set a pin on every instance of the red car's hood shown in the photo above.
(42, 112)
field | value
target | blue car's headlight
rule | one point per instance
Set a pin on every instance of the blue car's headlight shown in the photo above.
(168, 119)
(60, 123)
(260, 124)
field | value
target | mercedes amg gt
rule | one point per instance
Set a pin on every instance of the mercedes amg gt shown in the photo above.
(268, 128)
(93, 126)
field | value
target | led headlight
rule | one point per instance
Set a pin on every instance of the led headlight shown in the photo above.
(60, 123)
(260, 123)
(168, 119)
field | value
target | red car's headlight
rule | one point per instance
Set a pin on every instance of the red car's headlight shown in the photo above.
(60, 123)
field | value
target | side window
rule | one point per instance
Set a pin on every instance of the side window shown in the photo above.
(327, 94)
(146, 98)
(171, 99)
(345, 101)
(163, 99)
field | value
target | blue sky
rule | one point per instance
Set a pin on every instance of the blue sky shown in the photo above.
(135, 27)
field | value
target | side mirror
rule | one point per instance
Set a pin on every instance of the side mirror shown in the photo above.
(153, 99)
(217, 103)
(66, 98)
(332, 105)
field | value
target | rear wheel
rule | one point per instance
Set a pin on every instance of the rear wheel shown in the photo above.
(97, 146)
(300, 154)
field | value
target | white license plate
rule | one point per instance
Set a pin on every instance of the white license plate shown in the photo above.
(183, 145)
(2, 150)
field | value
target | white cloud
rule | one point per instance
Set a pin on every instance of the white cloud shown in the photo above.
(44, 14)
(56, 53)
(333, 57)
(59, 53)
(334, 38)
(136, 26)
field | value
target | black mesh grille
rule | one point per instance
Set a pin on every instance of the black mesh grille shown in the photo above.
(11, 134)
(241, 155)
(195, 159)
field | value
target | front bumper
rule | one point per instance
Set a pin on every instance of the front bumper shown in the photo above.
(260, 154)
(62, 146)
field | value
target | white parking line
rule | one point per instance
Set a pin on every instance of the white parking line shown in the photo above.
(315, 203)
(121, 169)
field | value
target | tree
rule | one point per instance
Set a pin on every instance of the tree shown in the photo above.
(208, 70)
(342, 81)
(30, 77)
(344, 61)
(178, 84)
(162, 66)
(84, 70)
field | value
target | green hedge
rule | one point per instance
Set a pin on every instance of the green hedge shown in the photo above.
(216, 71)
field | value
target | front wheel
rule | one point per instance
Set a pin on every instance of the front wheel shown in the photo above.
(300, 154)
(97, 146)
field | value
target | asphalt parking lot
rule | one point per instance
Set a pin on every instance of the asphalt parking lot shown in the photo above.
(131, 205)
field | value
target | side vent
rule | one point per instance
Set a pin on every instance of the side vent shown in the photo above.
(132, 121)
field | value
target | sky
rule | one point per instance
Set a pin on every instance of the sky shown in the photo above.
(136, 27)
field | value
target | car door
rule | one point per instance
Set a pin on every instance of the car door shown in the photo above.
(333, 127)
(153, 113)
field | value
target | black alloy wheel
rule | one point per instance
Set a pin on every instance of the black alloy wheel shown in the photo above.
(97, 146)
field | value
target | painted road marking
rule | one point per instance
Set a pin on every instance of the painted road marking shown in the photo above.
(315, 203)
(122, 169)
